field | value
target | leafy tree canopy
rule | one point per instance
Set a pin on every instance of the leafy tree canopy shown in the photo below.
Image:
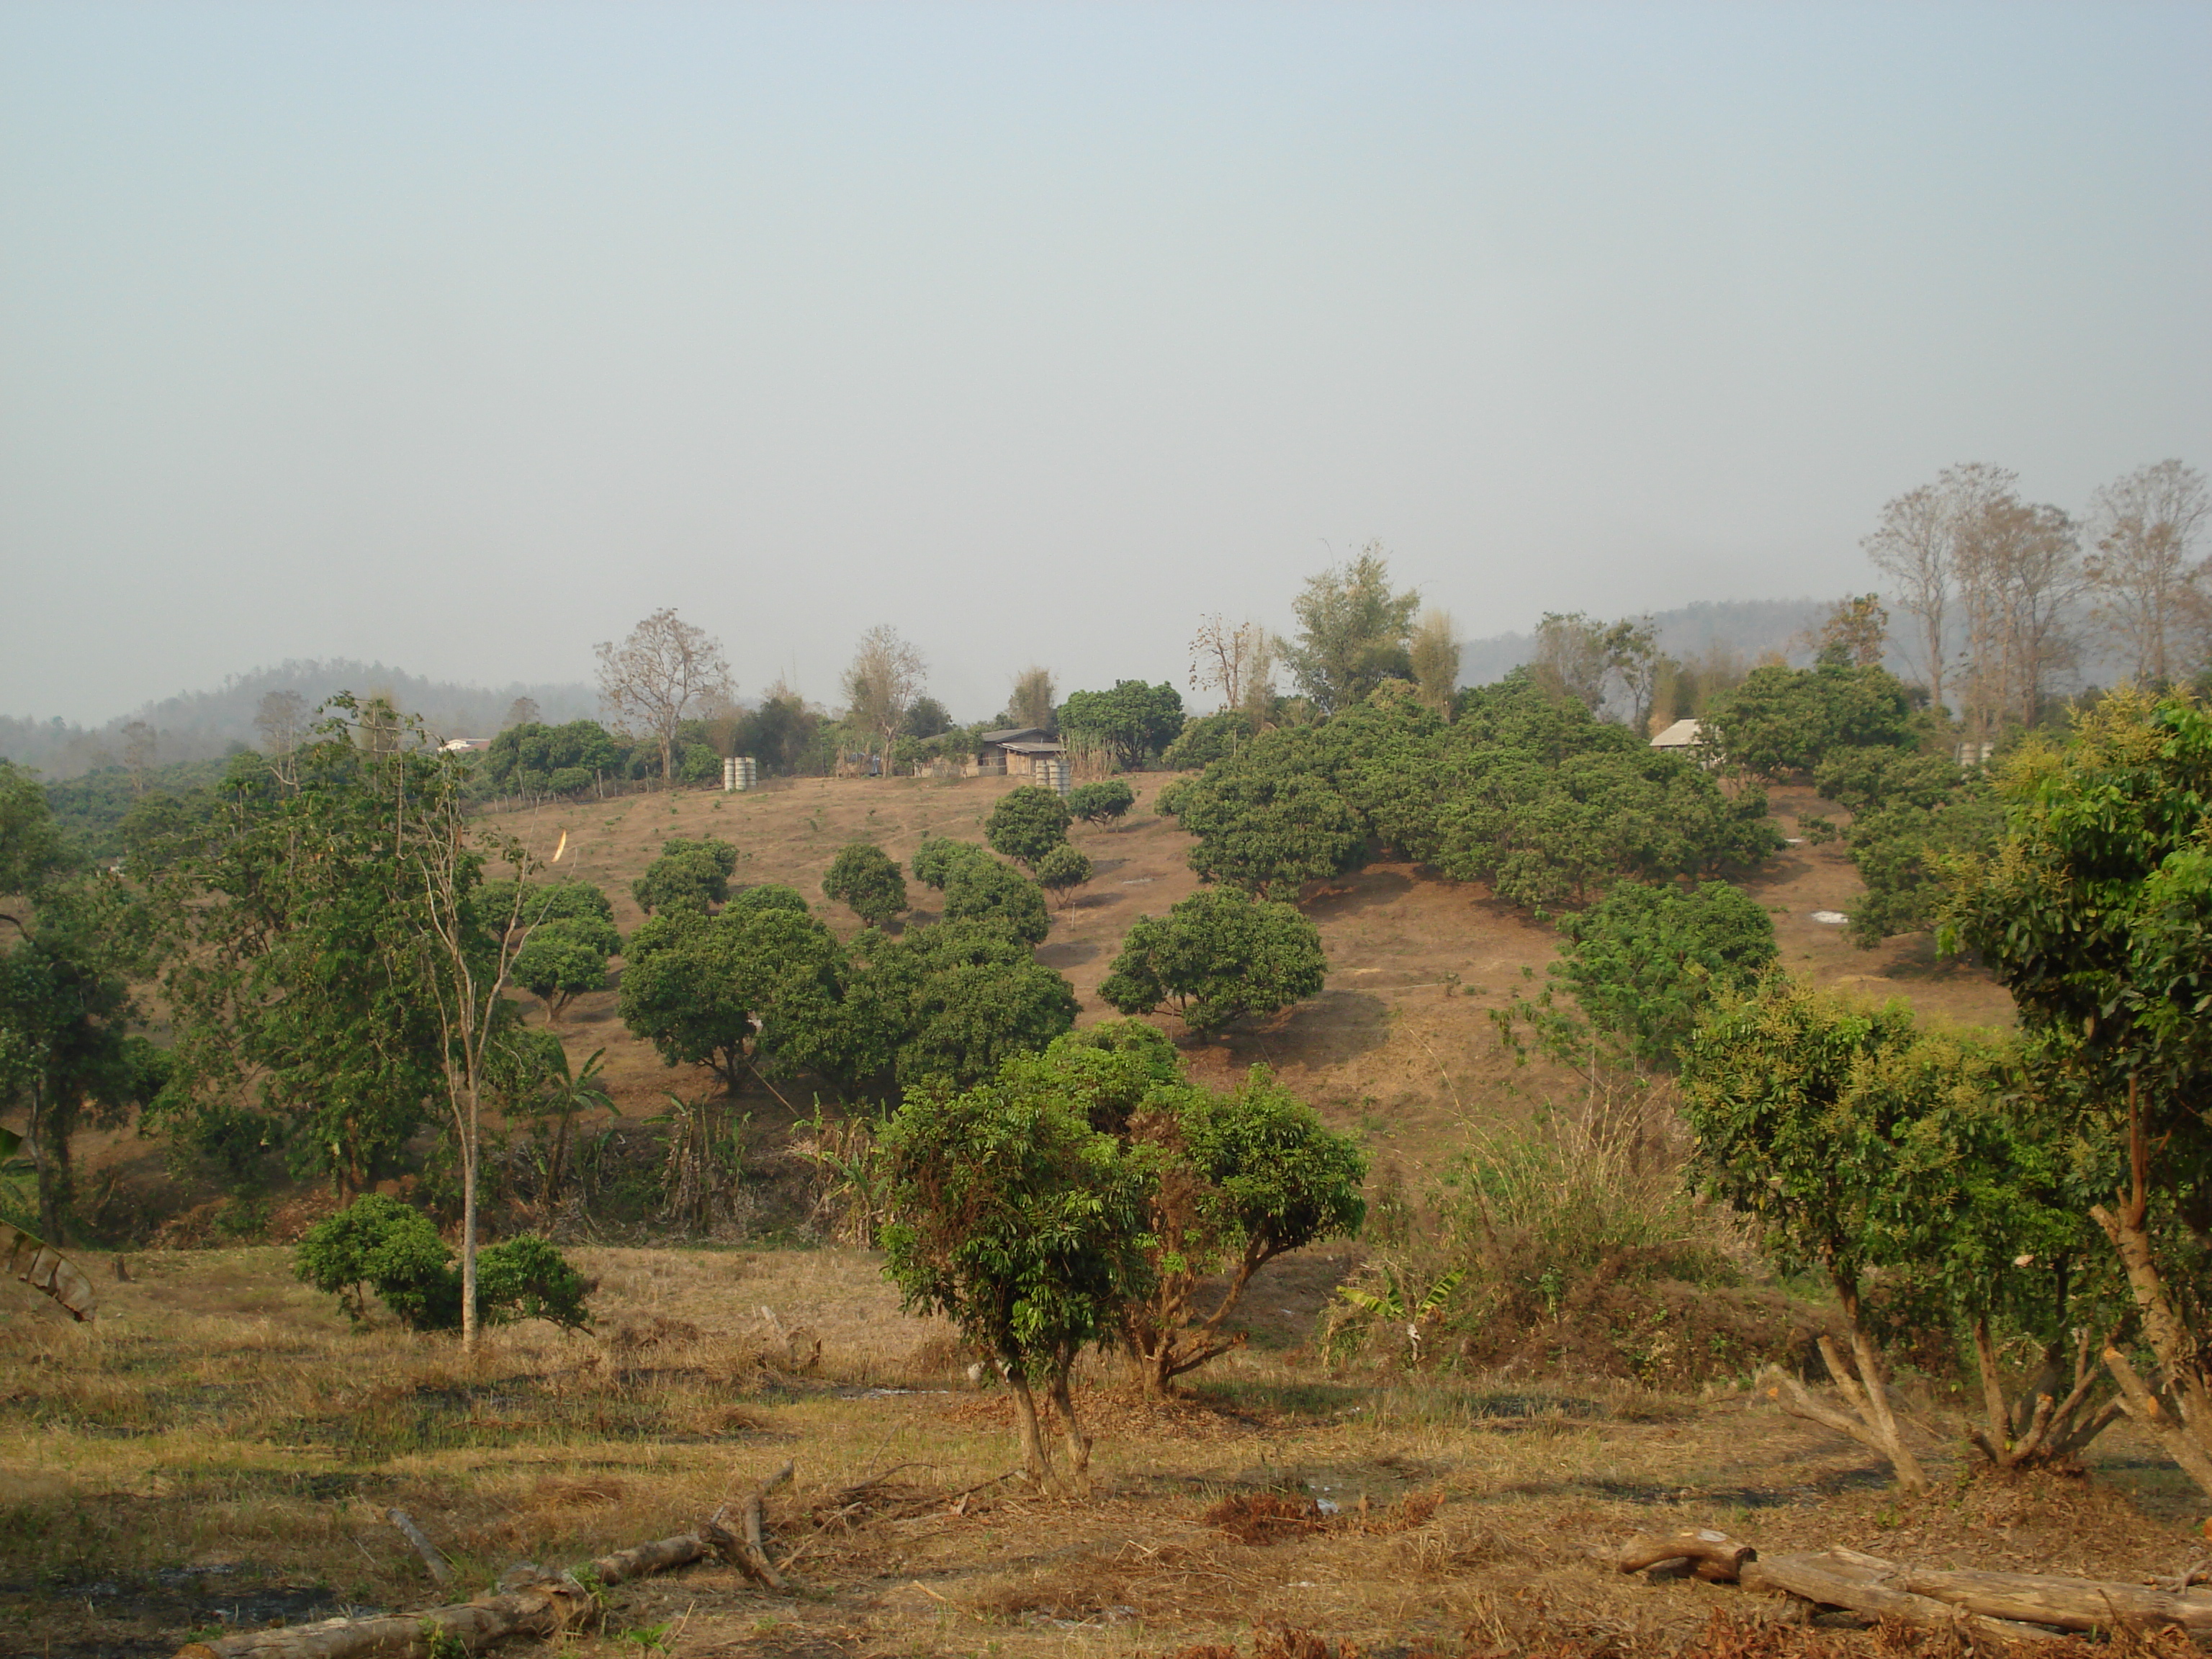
(866, 879)
(1063, 869)
(1204, 740)
(565, 958)
(529, 757)
(1533, 795)
(1644, 962)
(757, 987)
(1133, 722)
(1027, 824)
(1101, 802)
(1214, 957)
(1783, 722)
(951, 1001)
(984, 889)
(689, 875)
(1022, 1224)
(1353, 632)
(938, 856)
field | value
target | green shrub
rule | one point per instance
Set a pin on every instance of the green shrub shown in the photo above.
(689, 875)
(1063, 869)
(1027, 824)
(1101, 802)
(378, 1243)
(984, 889)
(938, 856)
(867, 879)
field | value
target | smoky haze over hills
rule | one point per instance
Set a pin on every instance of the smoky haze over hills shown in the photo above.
(202, 724)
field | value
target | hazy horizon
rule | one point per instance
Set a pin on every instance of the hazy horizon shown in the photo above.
(462, 338)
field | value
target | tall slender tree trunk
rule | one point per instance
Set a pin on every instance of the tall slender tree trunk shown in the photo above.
(469, 1232)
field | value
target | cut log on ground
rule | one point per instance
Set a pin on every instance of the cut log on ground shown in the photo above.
(1827, 1582)
(750, 1552)
(2013, 1607)
(528, 1603)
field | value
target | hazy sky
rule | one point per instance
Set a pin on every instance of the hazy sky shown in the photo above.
(461, 336)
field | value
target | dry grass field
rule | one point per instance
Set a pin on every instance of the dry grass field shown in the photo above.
(221, 1446)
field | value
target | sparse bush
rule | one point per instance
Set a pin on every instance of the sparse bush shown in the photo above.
(1532, 1229)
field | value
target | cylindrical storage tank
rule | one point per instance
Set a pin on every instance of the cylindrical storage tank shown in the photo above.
(747, 772)
(729, 776)
(1052, 773)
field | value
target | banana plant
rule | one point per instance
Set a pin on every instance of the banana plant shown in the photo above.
(30, 1258)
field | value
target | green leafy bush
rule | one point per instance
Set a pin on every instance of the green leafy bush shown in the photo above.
(1206, 739)
(565, 958)
(689, 875)
(1063, 869)
(1027, 824)
(984, 889)
(866, 879)
(1101, 802)
(379, 1244)
(1215, 957)
(938, 856)
(1641, 964)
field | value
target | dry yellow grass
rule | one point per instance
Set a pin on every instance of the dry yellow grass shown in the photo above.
(220, 1440)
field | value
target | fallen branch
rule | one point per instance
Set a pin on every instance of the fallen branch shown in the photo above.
(2014, 1606)
(750, 1552)
(528, 1603)
(1826, 1581)
(404, 1523)
(1712, 1556)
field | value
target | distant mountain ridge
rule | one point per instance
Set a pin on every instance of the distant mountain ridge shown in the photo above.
(200, 725)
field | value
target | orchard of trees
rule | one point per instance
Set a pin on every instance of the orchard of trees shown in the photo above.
(339, 945)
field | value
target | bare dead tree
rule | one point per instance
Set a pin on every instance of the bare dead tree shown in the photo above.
(1221, 658)
(885, 676)
(2018, 567)
(662, 672)
(1856, 631)
(281, 719)
(2147, 585)
(523, 711)
(1913, 548)
(1916, 546)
